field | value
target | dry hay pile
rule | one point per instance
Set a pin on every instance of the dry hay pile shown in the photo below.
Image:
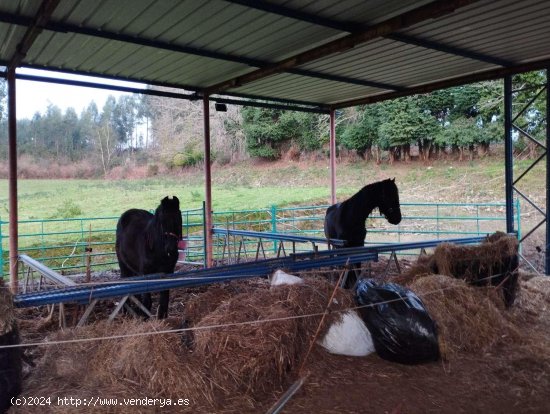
(10, 358)
(468, 319)
(469, 262)
(424, 266)
(493, 262)
(230, 367)
(200, 304)
(534, 298)
(7, 311)
(134, 367)
(246, 361)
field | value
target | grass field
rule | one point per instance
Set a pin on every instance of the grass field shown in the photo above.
(255, 185)
(258, 185)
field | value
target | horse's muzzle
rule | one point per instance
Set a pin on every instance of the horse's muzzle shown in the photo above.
(394, 219)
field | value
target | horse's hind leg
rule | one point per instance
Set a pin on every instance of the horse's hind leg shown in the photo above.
(162, 310)
(353, 275)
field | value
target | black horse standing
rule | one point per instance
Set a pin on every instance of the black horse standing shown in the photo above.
(346, 220)
(148, 243)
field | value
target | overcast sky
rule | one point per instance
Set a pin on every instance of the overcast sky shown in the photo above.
(36, 96)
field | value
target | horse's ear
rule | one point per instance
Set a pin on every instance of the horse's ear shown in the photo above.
(170, 202)
(176, 201)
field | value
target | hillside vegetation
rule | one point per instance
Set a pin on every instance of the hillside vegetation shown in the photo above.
(249, 185)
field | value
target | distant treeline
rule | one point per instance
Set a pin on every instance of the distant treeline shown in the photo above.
(461, 121)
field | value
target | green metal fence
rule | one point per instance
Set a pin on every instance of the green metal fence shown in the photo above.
(62, 244)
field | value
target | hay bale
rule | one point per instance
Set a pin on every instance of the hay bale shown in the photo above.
(424, 266)
(534, 297)
(153, 366)
(250, 360)
(202, 303)
(10, 358)
(493, 262)
(467, 319)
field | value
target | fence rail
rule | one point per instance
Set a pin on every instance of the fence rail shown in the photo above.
(66, 245)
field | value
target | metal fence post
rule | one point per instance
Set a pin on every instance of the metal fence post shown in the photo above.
(204, 232)
(518, 219)
(1, 251)
(274, 225)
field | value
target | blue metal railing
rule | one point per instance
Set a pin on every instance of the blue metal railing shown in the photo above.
(61, 243)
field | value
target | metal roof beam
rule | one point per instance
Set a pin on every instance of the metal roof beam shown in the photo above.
(299, 15)
(448, 83)
(60, 27)
(350, 27)
(294, 102)
(343, 79)
(192, 97)
(322, 108)
(33, 30)
(428, 44)
(429, 11)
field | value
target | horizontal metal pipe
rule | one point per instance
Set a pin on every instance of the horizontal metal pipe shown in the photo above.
(277, 236)
(153, 283)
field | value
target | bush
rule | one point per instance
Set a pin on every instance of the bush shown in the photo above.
(187, 159)
(68, 210)
(152, 170)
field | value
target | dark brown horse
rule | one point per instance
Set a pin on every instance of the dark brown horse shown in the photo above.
(148, 243)
(346, 220)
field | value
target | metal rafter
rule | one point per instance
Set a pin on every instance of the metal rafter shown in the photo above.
(177, 86)
(167, 94)
(350, 27)
(33, 30)
(432, 10)
(448, 83)
(60, 27)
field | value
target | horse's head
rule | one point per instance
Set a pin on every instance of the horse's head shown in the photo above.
(389, 202)
(168, 215)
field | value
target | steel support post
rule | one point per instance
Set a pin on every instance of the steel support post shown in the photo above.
(547, 253)
(508, 154)
(332, 156)
(12, 155)
(207, 183)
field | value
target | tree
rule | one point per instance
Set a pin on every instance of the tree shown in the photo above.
(362, 133)
(405, 123)
(532, 121)
(461, 134)
(267, 130)
(123, 120)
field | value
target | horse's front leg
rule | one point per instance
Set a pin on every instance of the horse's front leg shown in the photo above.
(147, 302)
(162, 310)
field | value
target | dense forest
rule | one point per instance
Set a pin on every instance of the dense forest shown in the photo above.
(165, 134)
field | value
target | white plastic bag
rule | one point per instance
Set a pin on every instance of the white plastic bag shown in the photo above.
(281, 278)
(348, 337)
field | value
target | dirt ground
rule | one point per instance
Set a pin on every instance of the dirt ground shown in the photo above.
(507, 379)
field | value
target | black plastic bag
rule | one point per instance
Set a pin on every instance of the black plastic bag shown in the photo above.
(401, 329)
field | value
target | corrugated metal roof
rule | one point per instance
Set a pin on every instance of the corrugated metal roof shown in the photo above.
(215, 45)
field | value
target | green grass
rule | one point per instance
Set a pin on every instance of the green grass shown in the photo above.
(245, 186)
(260, 185)
(44, 199)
